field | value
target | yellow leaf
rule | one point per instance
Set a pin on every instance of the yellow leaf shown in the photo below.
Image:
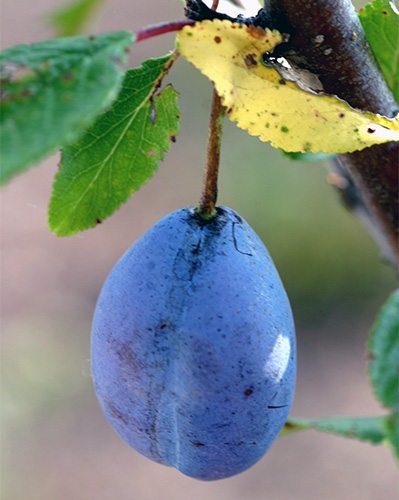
(259, 100)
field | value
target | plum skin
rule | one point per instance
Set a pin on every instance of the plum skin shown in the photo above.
(193, 345)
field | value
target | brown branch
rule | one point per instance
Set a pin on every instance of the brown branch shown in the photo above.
(327, 38)
(162, 29)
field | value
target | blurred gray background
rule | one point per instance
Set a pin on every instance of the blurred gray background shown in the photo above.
(57, 445)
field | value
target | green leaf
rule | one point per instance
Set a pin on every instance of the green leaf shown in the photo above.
(384, 353)
(392, 433)
(372, 429)
(118, 154)
(311, 157)
(380, 21)
(51, 90)
(70, 18)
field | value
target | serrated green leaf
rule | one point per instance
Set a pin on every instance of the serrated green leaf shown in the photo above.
(371, 429)
(384, 353)
(380, 21)
(118, 154)
(392, 433)
(69, 19)
(50, 90)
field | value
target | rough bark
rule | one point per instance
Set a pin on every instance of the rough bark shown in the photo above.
(326, 38)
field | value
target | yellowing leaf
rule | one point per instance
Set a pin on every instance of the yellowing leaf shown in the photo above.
(276, 110)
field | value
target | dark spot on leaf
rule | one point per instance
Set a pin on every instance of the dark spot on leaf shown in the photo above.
(284, 129)
(384, 13)
(250, 60)
(197, 444)
(26, 93)
(281, 81)
(98, 221)
(68, 76)
(217, 39)
(342, 115)
(370, 130)
(172, 138)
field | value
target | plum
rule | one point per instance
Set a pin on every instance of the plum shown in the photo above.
(193, 345)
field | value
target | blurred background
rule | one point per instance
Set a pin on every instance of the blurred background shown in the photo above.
(57, 445)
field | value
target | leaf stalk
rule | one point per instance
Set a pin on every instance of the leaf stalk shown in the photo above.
(162, 29)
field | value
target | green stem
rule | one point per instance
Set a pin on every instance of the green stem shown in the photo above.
(210, 186)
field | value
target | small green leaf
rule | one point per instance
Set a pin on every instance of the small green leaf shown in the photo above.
(311, 157)
(370, 429)
(69, 19)
(384, 353)
(392, 433)
(118, 154)
(380, 21)
(50, 90)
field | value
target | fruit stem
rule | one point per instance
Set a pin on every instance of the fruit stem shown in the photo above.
(209, 194)
(161, 29)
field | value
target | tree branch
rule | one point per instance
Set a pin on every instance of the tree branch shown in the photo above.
(326, 38)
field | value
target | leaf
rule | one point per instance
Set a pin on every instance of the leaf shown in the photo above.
(392, 433)
(118, 154)
(69, 19)
(383, 349)
(380, 21)
(311, 157)
(370, 429)
(50, 90)
(260, 101)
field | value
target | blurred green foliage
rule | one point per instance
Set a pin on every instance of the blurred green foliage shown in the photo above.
(71, 18)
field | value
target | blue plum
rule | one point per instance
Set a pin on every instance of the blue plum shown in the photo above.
(193, 345)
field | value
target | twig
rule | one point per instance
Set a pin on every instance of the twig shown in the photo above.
(210, 186)
(161, 29)
(330, 42)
